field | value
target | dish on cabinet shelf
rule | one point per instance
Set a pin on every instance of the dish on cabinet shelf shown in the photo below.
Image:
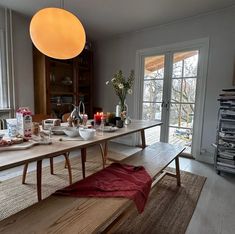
(67, 81)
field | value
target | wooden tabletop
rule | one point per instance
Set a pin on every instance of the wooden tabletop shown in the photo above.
(9, 159)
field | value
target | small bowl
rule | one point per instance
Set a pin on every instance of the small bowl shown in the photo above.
(87, 133)
(71, 131)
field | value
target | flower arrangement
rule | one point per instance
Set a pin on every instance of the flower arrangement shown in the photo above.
(122, 86)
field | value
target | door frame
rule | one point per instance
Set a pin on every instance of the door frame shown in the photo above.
(202, 45)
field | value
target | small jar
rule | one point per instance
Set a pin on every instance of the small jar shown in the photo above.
(35, 128)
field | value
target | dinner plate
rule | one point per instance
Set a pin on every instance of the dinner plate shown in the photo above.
(110, 129)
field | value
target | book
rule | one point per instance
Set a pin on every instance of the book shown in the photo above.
(226, 165)
(228, 90)
(227, 161)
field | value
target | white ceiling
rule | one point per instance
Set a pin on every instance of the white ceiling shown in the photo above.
(105, 18)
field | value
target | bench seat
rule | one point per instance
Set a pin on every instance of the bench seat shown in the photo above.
(58, 214)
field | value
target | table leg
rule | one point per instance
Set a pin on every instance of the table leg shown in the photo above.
(24, 173)
(104, 152)
(39, 179)
(105, 149)
(66, 155)
(51, 166)
(177, 167)
(83, 158)
(143, 138)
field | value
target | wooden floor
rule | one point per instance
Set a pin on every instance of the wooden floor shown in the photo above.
(153, 135)
(215, 211)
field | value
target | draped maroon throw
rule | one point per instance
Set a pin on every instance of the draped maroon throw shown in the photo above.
(116, 180)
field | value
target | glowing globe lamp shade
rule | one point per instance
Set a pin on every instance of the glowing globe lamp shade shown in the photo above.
(57, 33)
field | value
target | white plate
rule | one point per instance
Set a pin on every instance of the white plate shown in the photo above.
(110, 129)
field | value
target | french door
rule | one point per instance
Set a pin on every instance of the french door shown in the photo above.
(170, 92)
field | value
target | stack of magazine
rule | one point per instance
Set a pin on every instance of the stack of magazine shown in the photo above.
(225, 152)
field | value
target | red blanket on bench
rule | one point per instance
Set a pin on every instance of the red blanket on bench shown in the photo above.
(116, 180)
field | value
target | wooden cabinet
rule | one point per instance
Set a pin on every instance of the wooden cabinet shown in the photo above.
(60, 83)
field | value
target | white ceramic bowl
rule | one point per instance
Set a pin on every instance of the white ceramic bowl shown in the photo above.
(71, 131)
(87, 133)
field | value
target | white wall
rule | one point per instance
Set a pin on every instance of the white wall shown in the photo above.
(120, 53)
(23, 61)
(2, 19)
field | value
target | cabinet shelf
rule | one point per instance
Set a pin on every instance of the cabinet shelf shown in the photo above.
(84, 68)
(61, 93)
(55, 62)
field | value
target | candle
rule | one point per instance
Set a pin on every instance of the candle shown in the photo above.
(97, 117)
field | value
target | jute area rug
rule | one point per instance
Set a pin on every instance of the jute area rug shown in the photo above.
(169, 208)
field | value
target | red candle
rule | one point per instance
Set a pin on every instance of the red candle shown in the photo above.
(97, 117)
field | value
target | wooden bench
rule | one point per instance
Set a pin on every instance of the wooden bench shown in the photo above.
(57, 214)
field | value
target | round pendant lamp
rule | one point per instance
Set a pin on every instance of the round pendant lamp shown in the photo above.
(57, 33)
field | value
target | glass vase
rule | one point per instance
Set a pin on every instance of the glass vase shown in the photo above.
(124, 106)
(124, 112)
(121, 108)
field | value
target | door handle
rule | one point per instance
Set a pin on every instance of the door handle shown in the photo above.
(168, 105)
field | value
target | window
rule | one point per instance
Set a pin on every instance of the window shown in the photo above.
(4, 103)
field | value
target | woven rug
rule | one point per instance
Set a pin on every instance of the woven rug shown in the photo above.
(168, 210)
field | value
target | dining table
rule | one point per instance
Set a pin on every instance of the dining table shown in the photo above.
(60, 145)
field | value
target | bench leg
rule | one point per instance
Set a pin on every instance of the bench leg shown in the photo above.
(24, 173)
(83, 158)
(39, 180)
(177, 167)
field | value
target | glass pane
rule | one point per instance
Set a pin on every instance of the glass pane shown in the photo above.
(152, 111)
(190, 65)
(154, 67)
(152, 135)
(176, 90)
(153, 90)
(182, 137)
(177, 69)
(181, 115)
(189, 89)
(185, 64)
